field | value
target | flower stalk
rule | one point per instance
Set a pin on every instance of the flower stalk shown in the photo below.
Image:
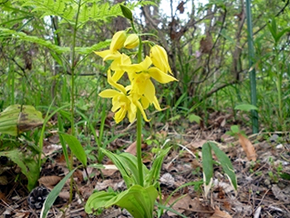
(138, 147)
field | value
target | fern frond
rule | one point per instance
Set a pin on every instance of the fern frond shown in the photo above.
(96, 47)
(91, 10)
(8, 33)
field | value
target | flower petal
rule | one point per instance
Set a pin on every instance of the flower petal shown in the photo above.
(160, 76)
(132, 41)
(149, 91)
(139, 106)
(120, 115)
(112, 56)
(109, 93)
(103, 54)
(132, 112)
(145, 103)
(114, 84)
(159, 58)
(156, 104)
(118, 40)
(136, 68)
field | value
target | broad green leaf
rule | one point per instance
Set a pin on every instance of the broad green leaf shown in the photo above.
(29, 167)
(53, 195)
(117, 160)
(154, 172)
(16, 119)
(207, 162)
(76, 147)
(226, 164)
(246, 107)
(127, 165)
(98, 200)
(138, 200)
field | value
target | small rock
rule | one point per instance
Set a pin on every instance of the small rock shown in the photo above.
(274, 138)
(280, 146)
(267, 182)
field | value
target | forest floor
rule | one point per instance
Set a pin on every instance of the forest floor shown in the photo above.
(263, 185)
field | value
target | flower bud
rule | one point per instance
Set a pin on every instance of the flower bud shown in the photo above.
(159, 58)
(132, 41)
(127, 12)
(118, 40)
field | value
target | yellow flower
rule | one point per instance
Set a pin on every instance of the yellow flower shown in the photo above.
(132, 41)
(117, 43)
(122, 104)
(115, 66)
(140, 76)
(118, 40)
(159, 58)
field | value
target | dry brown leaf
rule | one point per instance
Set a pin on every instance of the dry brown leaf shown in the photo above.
(79, 175)
(189, 204)
(248, 147)
(64, 195)
(22, 214)
(49, 181)
(196, 144)
(220, 214)
(206, 44)
(132, 148)
(109, 170)
(180, 205)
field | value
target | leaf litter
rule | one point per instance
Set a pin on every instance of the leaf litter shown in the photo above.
(261, 163)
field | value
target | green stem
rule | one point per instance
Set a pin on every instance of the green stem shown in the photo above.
(138, 147)
(139, 120)
(73, 64)
(252, 72)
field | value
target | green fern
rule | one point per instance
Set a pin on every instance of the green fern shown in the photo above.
(7, 33)
(90, 10)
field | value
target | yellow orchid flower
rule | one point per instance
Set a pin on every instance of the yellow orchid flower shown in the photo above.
(115, 66)
(118, 40)
(159, 58)
(144, 67)
(122, 104)
(132, 41)
(145, 103)
(117, 43)
(140, 76)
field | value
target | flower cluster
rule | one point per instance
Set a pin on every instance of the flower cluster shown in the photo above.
(140, 93)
